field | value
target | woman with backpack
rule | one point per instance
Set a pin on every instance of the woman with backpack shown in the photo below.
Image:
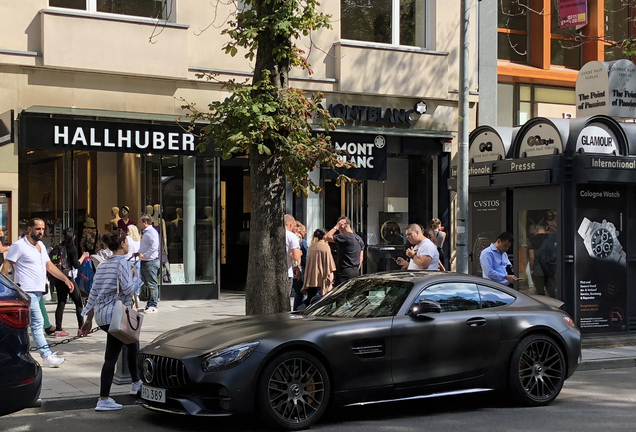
(65, 258)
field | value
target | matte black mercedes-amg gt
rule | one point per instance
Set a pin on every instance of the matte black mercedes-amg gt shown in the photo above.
(375, 338)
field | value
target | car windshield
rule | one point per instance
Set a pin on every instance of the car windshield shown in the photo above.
(363, 298)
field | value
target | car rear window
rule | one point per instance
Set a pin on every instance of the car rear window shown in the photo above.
(491, 297)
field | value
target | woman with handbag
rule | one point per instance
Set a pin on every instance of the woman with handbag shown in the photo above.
(115, 278)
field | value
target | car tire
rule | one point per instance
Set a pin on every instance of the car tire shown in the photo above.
(537, 371)
(293, 391)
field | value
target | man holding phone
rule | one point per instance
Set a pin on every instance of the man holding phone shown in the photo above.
(423, 254)
(494, 260)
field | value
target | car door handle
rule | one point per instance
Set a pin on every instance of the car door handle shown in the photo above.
(476, 322)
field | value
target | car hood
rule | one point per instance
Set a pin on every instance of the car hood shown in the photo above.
(212, 335)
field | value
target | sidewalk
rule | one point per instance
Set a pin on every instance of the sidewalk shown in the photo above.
(76, 383)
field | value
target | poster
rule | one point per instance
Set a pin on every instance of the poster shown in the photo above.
(487, 216)
(601, 269)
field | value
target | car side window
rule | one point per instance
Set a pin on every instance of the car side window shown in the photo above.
(491, 297)
(453, 297)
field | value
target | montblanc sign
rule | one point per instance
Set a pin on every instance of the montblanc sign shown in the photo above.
(367, 152)
(60, 133)
(363, 113)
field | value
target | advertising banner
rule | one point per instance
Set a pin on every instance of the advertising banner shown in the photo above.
(367, 152)
(487, 219)
(601, 270)
(572, 13)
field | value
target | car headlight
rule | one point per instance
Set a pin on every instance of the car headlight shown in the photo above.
(228, 357)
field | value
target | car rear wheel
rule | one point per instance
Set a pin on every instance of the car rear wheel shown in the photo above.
(293, 390)
(537, 371)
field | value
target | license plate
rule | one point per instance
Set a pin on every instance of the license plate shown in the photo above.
(153, 394)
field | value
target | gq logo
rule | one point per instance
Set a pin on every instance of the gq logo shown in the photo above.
(487, 146)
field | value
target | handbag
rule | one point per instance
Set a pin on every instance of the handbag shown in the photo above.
(125, 323)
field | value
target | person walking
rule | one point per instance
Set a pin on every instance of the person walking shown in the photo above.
(31, 263)
(292, 249)
(297, 284)
(350, 250)
(133, 239)
(320, 267)
(67, 261)
(494, 260)
(100, 305)
(149, 255)
(423, 254)
(440, 236)
(89, 241)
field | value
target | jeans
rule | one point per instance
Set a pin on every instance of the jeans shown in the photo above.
(37, 324)
(113, 348)
(149, 274)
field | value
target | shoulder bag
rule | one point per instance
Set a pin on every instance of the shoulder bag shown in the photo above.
(125, 323)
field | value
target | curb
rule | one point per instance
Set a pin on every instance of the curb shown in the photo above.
(607, 363)
(83, 402)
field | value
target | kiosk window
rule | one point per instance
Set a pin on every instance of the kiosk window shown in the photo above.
(537, 264)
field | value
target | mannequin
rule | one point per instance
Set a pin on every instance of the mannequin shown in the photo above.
(179, 219)
(114, 222)
(175, 234)
(209, 219)
(156, 216)
(125, 221)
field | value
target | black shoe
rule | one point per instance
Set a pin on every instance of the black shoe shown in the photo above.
(50, 331)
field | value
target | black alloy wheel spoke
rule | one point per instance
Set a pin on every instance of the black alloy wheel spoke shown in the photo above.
(296, 390)
(540, 369)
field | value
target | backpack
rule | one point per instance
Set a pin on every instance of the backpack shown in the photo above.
(59, 257)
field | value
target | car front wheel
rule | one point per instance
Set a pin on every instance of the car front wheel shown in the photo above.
(293, 390)
(537, 371)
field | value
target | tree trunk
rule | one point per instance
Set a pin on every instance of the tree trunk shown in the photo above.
(267, 284)
(268, 287)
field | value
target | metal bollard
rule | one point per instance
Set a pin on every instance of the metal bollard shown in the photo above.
(122, 373)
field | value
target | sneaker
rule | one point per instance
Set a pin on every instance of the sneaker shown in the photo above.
(61, 333)
(135, 388)
(52, 360)
(107, 405)
(50, 331)
(151, 309)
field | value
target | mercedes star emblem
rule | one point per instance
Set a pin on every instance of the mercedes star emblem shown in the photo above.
(149, 369)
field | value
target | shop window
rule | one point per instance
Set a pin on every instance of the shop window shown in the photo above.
(618, 29)
(512, 39)
(5, 217)
(537, 263)
(395, 22)
(160, 9)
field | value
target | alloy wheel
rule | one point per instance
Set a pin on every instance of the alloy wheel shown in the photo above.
(296, 390)
(541, 370)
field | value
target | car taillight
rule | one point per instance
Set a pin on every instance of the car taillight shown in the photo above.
(14, 313)
(569, 321)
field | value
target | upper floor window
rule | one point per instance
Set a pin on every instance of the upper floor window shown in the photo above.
(512, 30)
(566, 43)
(395, 22)
(159, 9)
(619, 30)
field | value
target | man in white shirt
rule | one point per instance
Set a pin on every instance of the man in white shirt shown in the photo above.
(292, 248)
(149, 255)
(423, 255)
(31, 262)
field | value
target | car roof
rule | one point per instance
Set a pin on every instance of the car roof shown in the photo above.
(425, 276)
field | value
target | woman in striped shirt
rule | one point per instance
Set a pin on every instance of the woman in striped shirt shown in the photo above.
(100, 306)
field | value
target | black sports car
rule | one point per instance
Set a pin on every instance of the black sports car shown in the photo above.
(375, 338)
(20, 374)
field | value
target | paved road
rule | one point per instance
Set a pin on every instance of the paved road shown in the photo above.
(590, 401)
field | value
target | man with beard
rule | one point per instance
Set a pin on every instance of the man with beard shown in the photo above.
(423, 254)
(30, 260)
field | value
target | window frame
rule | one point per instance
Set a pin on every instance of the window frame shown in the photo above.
(481, 302)
(91, 8)
(395, 30)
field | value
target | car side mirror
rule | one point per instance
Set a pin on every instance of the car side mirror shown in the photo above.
(425, 306)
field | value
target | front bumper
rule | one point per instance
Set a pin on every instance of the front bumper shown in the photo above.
(572, 339)
(194, 392)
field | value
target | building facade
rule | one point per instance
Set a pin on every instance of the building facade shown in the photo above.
(91, 93)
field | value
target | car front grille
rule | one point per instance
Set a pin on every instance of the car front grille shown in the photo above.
(161, 371)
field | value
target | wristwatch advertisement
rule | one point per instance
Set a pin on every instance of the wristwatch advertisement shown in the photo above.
(601, 241)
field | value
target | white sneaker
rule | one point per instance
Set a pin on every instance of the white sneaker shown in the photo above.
(135, 388)
(52, 360)
(151, 309)
(107, 405)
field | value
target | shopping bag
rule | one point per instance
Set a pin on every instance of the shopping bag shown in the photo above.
(85, 275)
(125, 323)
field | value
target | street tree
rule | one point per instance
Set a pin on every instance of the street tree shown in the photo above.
(274, 125)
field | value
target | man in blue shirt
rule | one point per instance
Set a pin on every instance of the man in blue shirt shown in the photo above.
(494, 260)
